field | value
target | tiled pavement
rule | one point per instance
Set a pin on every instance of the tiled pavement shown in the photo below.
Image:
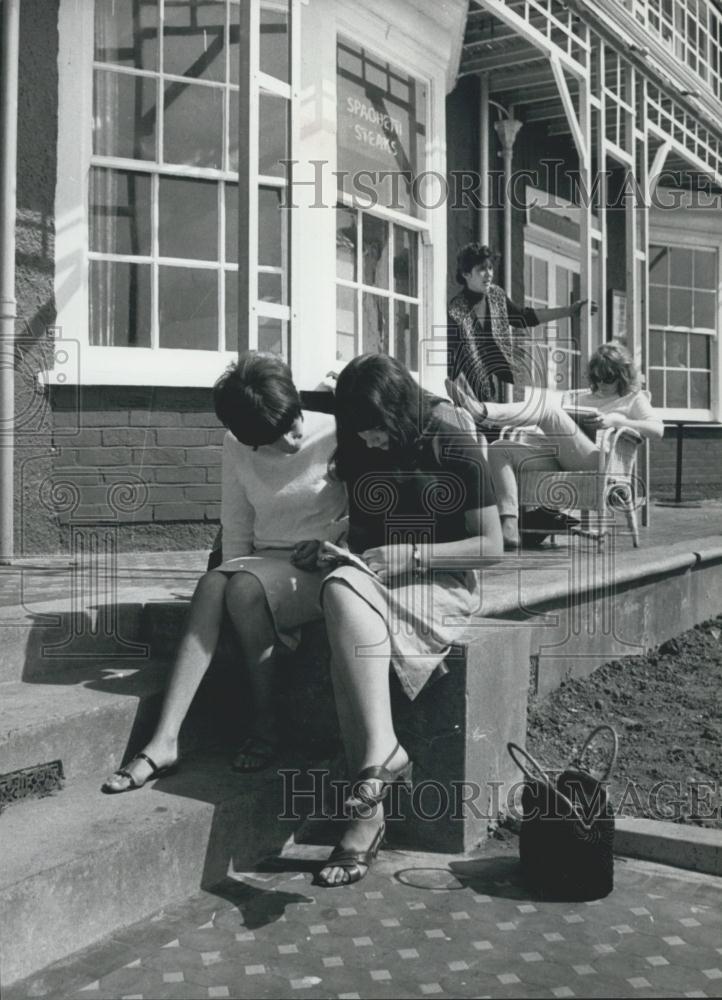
(419, 925)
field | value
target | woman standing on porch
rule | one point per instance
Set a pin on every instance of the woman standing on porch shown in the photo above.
(422, 513)
(479, 338)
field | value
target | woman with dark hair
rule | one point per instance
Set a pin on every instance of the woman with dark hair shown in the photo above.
(278, 505)
(479, 338)
(615, 399)
(422, 514)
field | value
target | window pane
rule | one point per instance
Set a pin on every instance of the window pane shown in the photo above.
(271, 288)
(127, 34)
(406, 334)
(124, 115)
(231, 342)
(274, 42)
(656, 348)
(406, 262)
(656, 387)
(120, 212)
(374, 324)
(272, 134)
(346, 324)
(699, 351)
(272, 335)
(676, 389)
(271, 228)
(188, 218)
(705, 269)
(188, 308)
(375, 251)
(193, 125)
(233, 130)
(539, 271)
(680, 267)
(676, 350)
(705, 304)
(658, 265)
(346, 244)
(658, 306)
(231, 222)
(194, 39)
(699, 391)
(680, 307)
(119, 304)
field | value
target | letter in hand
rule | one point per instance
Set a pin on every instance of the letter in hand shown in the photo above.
(337, 555)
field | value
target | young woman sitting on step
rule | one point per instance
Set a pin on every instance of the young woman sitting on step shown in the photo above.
(422, 513)
(278, 505)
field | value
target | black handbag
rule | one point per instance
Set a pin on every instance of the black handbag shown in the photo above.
(566, 841)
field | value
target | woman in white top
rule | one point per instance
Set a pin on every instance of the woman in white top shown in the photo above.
(614, 394)
(278, 505)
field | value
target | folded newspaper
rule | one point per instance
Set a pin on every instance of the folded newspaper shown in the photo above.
(336, 554)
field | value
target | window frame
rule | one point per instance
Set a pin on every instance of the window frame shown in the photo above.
(154, 365)
(684, 238)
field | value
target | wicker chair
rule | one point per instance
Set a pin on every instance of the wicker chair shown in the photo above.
(596, 494)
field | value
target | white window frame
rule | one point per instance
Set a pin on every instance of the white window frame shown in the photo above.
(108, 365)
(680, 234)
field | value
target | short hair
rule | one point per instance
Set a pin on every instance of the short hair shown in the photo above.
(255, 398)
(471, 255)
(612, 362)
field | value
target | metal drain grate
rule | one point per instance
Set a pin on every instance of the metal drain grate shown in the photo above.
(31, 782)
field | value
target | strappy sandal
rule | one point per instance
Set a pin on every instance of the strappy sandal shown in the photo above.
(377, 772)
(355, 864)
(123, 772)
(265, 751)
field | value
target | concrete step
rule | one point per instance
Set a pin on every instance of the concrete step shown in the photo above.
(87, 720)
(80, 865)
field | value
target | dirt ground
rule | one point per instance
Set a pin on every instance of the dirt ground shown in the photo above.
(666, 707)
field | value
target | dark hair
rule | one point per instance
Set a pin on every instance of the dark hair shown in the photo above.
(471, 255)
(377, 391)
(255, 398)
(612, 362)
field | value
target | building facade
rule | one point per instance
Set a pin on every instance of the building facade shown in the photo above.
(195, 177)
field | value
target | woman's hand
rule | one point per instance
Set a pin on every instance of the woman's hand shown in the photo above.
(602, 421)
(576, 307)
(388, 561)
(462, 395)
(305, 554)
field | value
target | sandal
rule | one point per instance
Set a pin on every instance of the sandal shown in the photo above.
(265, 751)
(355, 864)
(378, 772)
(123, 772)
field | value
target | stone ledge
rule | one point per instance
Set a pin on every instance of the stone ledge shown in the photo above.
(680, 845)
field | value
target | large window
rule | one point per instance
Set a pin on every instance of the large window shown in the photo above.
(150, 105)
(683, 310)
(382, 149)
(550, 281)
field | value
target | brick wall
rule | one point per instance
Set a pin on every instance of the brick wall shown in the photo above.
(146, 459)
(701, 463)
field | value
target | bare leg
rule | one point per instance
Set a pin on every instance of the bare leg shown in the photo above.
(193, 658)
(252, 621)
(361, 650)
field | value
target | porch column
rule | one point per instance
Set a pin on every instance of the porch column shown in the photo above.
(507, 130)
(8, 304)
(484, 160)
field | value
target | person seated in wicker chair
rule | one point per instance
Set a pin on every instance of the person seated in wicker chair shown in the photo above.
(614, 399)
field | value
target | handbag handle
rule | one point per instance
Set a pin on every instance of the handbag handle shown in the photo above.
(588, 742)
(541, 776)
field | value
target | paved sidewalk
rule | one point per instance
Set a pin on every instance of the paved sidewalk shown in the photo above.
(419, 925)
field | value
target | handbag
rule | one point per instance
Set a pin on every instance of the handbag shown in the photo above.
(566, 841)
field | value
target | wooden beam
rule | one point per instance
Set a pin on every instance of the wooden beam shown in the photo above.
(568, 104)
(660, 158)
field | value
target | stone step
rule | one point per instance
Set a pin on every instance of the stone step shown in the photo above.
(80, 865)
(87, 721)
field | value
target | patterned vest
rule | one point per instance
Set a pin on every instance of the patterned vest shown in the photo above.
(462, 313)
